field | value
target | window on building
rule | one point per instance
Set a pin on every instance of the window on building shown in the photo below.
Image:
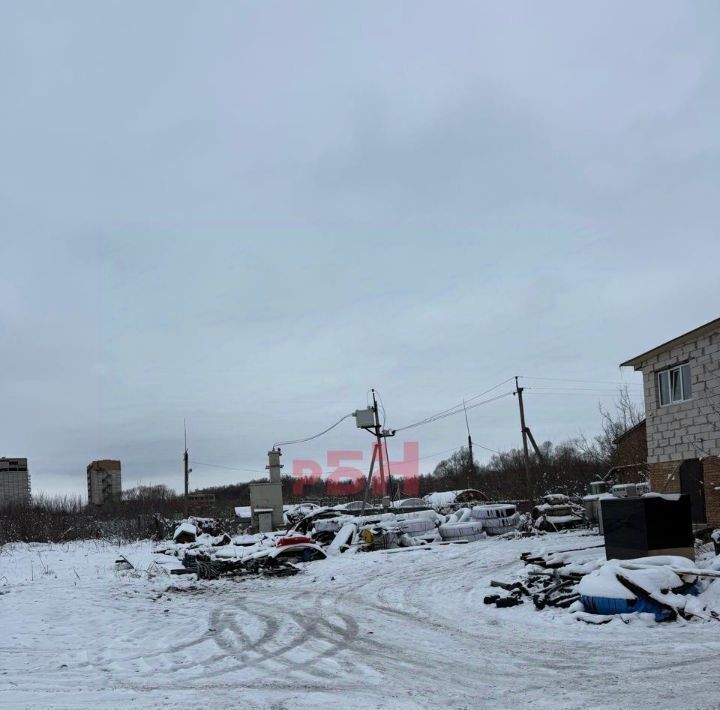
(674, 384)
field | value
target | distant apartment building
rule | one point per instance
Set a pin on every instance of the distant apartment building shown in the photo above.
(14, 481)
(104, 482)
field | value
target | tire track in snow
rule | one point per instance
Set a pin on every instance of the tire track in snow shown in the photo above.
(333, 630)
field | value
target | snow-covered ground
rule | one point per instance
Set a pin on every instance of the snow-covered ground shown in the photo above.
(404, 629)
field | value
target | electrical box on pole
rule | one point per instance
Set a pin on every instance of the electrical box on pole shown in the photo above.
(364, 418)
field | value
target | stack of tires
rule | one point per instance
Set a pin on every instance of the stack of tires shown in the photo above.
(417, 526)
(461, 525)
(497, 519)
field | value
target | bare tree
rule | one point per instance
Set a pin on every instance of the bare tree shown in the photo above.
(615, 422)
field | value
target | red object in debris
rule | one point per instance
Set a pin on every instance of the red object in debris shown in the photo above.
(293, 540)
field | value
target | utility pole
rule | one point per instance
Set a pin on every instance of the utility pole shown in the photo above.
(369, 481)
(378, 438)
(471, 466)
(186, 461)
(518, 392)
(369, 420)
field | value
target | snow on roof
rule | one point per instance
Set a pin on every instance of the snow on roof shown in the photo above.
(440, 498)
(409, 503)
(243, 511)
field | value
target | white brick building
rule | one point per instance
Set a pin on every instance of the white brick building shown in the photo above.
(681, 381)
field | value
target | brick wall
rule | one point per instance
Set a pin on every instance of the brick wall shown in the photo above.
(631, 450)
(711, 474)
(665, 478)
(689, 429)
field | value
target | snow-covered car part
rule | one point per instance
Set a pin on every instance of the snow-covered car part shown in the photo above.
(293, 540)
(328, 525)
(343, 539)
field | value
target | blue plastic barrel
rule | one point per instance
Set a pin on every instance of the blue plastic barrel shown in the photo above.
(609, 606)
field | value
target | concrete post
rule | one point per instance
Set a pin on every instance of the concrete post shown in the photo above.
(274, 465)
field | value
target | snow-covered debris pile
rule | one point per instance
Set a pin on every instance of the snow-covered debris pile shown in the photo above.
(321, 532)
(293, 514)
(388, 530)
(665, 586)
(278, 560)
(715, 537)
(558, 512)
(550, 579)
(329, 531)
(595, 590)
(449, 501)
(185, 532)
(375, 531)
(211, 556)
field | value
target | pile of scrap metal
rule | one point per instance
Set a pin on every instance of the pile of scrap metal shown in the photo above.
(294, 513)
(558, 512)
(550, 581)
(191, 530)
(212, 556)
(341, 532)
(389, 530)
(329, 531)
(278, 560)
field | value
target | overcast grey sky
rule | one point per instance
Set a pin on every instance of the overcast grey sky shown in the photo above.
(248, 214)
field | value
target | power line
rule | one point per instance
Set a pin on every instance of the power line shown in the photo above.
(462, 405)
(487, 448)
(588, 382)
(451, 412)
(576, 389)
(314, 436)
(422, 458)
(455, 409)
(492, 389)
(574, 392)
(431, 456)
(446, 451)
